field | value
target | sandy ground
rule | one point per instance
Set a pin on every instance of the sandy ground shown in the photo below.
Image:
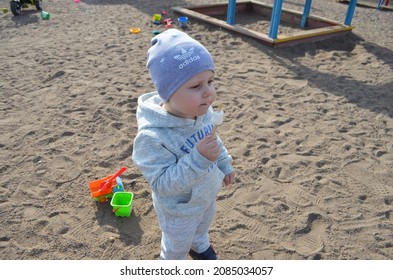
(310, 128)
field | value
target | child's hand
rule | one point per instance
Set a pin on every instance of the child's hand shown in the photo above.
(229, 179)
(208, 147)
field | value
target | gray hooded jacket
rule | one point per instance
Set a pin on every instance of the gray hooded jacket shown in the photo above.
(183, 182)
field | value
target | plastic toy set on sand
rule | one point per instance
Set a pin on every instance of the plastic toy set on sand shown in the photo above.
(111, 187)
(159, 19)
(17, 5)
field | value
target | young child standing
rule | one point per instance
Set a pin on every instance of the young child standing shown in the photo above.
(183, 163)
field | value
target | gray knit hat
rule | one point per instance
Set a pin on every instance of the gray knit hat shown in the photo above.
(173, 59)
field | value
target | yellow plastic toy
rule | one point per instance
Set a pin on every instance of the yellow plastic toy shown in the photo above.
(135, 30)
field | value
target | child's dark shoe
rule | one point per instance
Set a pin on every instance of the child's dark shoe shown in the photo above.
(209, 254)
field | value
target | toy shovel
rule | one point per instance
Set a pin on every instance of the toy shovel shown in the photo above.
(107, 183)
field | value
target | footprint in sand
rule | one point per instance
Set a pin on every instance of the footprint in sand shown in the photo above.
(386, 157)
(362, 172)
(301, 197)
(310, 239)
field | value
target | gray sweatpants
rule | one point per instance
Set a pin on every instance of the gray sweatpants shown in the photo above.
(179, 234)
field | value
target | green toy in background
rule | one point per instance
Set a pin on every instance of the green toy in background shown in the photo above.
(17, 5)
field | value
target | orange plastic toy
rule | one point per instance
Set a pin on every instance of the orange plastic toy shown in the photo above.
(101, 189)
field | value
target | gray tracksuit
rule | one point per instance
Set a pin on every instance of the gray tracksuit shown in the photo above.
(184, 183)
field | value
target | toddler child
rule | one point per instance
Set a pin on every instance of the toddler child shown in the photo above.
(184, 164)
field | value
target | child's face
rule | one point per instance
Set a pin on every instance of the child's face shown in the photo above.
(194, 97)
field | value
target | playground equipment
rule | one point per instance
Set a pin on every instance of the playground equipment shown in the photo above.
(381, 2)
(312, 27)
(381, 5)
(17, 5)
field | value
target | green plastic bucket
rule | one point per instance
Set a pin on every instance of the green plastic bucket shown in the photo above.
(122, 203)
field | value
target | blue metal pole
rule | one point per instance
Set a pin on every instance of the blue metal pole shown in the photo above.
(275, 19)
(306, 13)
(350, 12)
(231, 12)
(380, 3)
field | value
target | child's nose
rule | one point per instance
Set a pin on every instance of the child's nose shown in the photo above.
(209, 91)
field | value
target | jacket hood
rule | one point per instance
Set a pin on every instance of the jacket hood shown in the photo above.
(150, 114)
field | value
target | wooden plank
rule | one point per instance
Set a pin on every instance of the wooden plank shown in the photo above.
(318, 27)
(221, 23)
(309, 39)
(367, 5)
(312, 33)
(220, 9)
